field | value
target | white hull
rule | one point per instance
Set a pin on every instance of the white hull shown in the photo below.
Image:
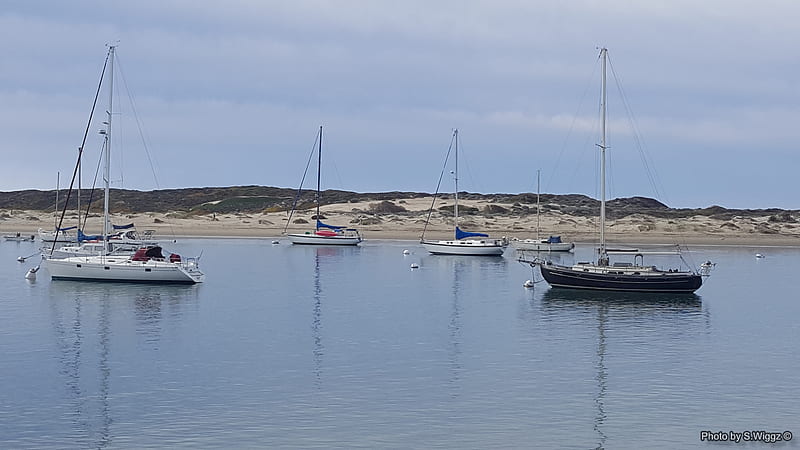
(313, 239)
(118, 248)
(123, 269)
(62, 237)
(544, 246)
(466, 247)
(19, 238)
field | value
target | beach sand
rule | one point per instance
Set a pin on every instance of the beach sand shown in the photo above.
(409, 224)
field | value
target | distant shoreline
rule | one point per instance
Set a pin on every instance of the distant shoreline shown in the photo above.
(404, 219)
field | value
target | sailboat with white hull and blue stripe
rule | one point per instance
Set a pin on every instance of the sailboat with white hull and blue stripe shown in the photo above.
(464, 242)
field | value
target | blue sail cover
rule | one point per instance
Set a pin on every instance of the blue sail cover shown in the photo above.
(66, 229)
(82, 237)
(554, 240)
(330, 227)
(122, 227)
(465, 234)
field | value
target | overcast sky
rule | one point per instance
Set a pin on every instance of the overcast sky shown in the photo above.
(233, 92)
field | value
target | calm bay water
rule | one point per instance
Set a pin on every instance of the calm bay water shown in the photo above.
(349, 348)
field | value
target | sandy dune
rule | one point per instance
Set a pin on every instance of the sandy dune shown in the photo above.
(409, 224)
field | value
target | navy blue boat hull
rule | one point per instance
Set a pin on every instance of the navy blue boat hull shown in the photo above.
(566, 277)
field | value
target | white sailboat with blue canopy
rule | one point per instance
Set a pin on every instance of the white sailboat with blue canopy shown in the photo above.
(462, 244)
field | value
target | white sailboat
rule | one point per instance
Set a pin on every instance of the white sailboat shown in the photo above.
(147, 265)
(323, 234)
(462, 244)
(552, 243)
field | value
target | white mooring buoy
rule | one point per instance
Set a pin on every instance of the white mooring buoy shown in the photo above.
(31, 275)
(414, 266)
(528, 283)
(406, 252)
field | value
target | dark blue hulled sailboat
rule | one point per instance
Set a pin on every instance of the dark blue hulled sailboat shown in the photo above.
(620, 276)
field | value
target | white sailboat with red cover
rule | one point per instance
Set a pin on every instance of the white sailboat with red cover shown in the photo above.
(323, 234)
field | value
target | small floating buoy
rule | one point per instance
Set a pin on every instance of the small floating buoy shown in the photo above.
(759, 256)
(528, 283)
(21, 259)
(31, 275)
(414, 266)
(406, 252)
(276, 242)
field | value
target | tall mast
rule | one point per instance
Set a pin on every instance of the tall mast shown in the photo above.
(603, 54)
(319, 171)
(107, 156)
(538, 208)
(79, 189)
(455, 136)
(58, 182)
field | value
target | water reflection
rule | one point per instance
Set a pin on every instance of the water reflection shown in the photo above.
(454, 327)
(82, 317)
(326, 261)
(469, 275)
(620, 311)
(640, 300)
(602, 376)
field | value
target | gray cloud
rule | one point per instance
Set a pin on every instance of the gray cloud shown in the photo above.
(232, 93)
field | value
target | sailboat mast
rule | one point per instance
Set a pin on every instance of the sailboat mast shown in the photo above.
(455, 209)
(319, 172)
(79, 189)
(107, 156)
(538, 208)
(603, 54)
(58, 183)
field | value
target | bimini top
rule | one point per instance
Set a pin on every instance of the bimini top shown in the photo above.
(465, 234)
(83, 237)
(330, 227)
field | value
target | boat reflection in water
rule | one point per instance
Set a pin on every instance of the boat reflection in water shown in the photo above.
(625, 324)
(86, 321)
(328, 261)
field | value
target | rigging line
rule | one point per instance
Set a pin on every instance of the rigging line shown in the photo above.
(438, 185)
(649, 167)
(139, 127)
(80, 153)
(94, 181)
(300, 189)
(473, 181)
(561, 152)
(647, 160)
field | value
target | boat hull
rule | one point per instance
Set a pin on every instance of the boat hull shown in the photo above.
(668, 282)
(19, 238)
(314, 239)
(544, 246)
(110, 269)
(61, 237)
(465, 247)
